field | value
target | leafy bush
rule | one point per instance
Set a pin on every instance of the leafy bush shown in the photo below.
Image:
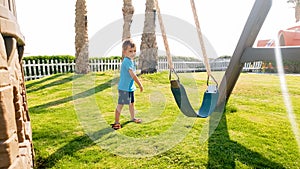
(289, 67)
(69, 58)
(54, 57)
(106, 58)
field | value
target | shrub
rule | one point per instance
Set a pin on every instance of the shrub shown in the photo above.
(69, 58)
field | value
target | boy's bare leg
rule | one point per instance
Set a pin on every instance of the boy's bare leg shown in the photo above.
(132, 114)
(118, 113)
(131, 110)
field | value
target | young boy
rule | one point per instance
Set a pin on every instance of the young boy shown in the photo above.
(126, 85)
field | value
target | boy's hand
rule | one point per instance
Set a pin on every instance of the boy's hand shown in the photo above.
(141, 88)
(136, 79)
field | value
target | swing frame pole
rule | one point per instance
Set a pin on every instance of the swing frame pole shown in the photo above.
(251, 29)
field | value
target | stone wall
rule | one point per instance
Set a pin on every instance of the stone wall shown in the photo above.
(16, 149)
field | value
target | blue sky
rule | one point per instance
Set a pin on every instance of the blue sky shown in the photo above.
(48, 25)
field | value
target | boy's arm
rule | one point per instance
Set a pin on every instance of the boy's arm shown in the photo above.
(136, 79)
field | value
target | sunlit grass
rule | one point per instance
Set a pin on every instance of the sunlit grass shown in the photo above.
(254, 132)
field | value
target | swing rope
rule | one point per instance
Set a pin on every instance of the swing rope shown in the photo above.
(165, 39)
(200, 37)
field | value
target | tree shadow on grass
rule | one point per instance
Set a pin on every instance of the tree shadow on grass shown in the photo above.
(224, 152)
(44, 79)
(69, 149)
(72, 147)
(83, 94)
(54, 83)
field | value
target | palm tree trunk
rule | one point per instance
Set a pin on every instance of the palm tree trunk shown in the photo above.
(296, 4)
(128, 11)
(81, 38)
(148, 59)
(297, 11)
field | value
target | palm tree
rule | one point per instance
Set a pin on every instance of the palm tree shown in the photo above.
(148, 59)
(297, 8)
(81, 38)
(128, 11)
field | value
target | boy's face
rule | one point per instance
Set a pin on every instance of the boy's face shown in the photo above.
(130, 52)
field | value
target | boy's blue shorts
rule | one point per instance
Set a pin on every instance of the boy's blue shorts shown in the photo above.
(125, 97)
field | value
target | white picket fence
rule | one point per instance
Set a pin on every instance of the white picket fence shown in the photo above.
(253, 66)
(194, 66)
(35, 70)
(39, 69)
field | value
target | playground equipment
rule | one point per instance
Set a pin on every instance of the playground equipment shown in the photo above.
(287, 37)
(210, 97)
(290, 36)
(16, 149)
(244, 52)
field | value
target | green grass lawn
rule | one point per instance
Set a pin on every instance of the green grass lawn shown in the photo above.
(71, 117)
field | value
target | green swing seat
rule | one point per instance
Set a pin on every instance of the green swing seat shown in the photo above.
(210, 99)
(211, 95)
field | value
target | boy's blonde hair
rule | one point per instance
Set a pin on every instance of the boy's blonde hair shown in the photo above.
(126, 43)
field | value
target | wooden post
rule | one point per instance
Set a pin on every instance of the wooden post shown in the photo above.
(252, 27)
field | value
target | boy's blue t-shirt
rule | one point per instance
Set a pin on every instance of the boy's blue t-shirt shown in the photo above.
(126, 82)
